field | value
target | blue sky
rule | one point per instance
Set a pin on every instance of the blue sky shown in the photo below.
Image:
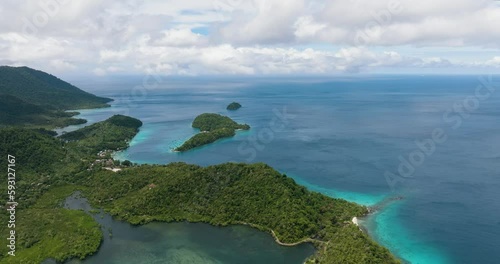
(251, 37)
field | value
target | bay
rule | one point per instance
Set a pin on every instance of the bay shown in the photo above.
(340, 136)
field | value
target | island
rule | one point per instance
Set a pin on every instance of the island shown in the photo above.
(52, 168)
(233, 106)
(212, 128)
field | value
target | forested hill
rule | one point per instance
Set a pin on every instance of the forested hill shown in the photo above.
(44, 160)
(34, 98)
(43, 89)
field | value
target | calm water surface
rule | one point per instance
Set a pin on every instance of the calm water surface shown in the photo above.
(184, 243)
(339, 137)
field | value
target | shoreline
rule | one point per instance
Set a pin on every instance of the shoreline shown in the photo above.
(278, 241)
(318, 244)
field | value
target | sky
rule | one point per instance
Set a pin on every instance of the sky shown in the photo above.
(251, 37)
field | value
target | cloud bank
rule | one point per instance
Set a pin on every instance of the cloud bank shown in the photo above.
(249, 37)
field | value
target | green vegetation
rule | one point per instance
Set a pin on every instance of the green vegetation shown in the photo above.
(220, 195)
(45, 230)
(349, 245)
(233, 106)
(127, 163)
(213, 127)
(40, 88)
(46, 161)
(36, 151)
(49, 169)
(230, 194)
(60, 234)
(108, 135)
(14, 111)
(33, 98)
(205, 138)
(210, 122)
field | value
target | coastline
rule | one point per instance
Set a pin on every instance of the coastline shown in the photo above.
(278, 241)
(86, 114)
(317, 243)
(383, 226)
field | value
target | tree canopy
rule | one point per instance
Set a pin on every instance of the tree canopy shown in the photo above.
(43, 89)
(32, 98)
(233, 106)
(213, 127)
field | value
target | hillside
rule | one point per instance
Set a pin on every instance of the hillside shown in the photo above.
(45, 160)
(14, 111)
(106, 135)
(44, 164)
(33, 98)
(43, 89)
(208, 122)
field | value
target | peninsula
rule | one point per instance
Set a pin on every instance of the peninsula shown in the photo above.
(227, 194)
(221, 195)
(212, 128)
(32, 98)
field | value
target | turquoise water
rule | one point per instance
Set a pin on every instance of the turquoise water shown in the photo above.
(385, 227)
(340, 137)
(359, 198)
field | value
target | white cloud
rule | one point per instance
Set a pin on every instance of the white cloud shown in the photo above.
(61, 65)
(227, 59)
(494, 62)
(245, 36)
(270, 21)
(179, 37)
(113, 55)
(105, 71)
(306, 27)
(99, 71)
(385, 22)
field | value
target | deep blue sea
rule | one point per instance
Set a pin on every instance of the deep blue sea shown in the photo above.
(342, 137)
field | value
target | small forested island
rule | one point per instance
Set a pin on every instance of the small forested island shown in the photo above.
(52, 168)
(233, 106)
(212, 128)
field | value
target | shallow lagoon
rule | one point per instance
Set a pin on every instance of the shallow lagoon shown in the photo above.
(189, 243)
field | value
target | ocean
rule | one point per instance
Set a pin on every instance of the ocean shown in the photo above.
(425, 149)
